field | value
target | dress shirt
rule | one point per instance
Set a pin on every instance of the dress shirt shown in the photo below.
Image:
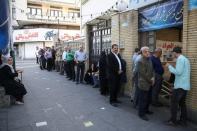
(80, 56)
(119, 62)
(64, 55)
(181, 72)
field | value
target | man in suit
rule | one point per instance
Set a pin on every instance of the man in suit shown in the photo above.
(115, 71)
(145, 82)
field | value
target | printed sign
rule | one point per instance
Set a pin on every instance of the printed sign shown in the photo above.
(167, 47)
(30, 35)
(192, 4)
(159, 17)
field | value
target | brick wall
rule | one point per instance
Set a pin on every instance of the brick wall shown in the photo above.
(190, 50)
(125, 32)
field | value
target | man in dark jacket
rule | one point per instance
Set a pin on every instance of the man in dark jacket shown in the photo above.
(115, 71)
(145, 81)
(158, 69)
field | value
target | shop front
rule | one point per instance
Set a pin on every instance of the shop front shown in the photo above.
(26, 40)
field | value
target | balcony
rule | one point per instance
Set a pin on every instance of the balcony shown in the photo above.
(43, 19)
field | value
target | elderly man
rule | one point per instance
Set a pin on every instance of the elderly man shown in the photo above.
(145, 81)
(158, 69)
(181, 87)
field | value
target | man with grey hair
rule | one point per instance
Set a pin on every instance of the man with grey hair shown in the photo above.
(145, 81)
(158, 70)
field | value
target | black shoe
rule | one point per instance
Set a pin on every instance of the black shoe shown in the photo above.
(157, 104)
(73, 80)
(117, 101)
(171, 123)
(81, 82)
(149, 112)
(182, 123)
(114, 104)
(77, 83)
(70, 79)
(145, 118)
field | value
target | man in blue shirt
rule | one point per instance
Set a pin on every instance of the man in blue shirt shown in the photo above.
(181, 87)
(158, 70)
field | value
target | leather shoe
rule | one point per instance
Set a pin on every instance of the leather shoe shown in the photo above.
(144, 118)
(117, 101)
(114, 104)
(149, 112)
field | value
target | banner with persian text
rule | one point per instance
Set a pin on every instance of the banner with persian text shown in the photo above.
(161, 16)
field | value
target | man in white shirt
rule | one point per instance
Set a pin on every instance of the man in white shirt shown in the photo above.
(80, 58)
(63, 65)
(115, 71)
(37, 55)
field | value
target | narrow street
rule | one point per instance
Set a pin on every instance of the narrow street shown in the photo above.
(55, 104)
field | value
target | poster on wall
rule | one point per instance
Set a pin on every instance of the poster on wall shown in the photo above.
(166, 15)
(192, 4)
(167, 47)
(31, 35)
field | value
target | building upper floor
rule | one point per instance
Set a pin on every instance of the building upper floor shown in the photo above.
(58, 12)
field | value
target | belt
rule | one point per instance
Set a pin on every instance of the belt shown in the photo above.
(81, 61)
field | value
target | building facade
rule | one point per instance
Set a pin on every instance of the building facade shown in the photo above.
(43, 23)
(154, 23)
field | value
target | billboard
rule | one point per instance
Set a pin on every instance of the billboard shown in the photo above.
(41, 34)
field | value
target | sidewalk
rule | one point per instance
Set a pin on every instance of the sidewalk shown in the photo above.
(55, 104)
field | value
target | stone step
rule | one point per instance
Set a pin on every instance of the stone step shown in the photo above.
(2, 91)
(5, 101)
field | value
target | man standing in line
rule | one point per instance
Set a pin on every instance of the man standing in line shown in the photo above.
(70, 64)
(37, 54)
(158, 69)
(134, 93)
(53, 51)
(115, 71)
(181, 87)
(145, 81)
(64, 64)
(80, 58)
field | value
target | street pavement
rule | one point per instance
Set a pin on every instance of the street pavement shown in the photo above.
(55, 104)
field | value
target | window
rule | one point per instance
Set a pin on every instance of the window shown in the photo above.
(14, 13)
(34, 11)
(39, 12)
(56, 13)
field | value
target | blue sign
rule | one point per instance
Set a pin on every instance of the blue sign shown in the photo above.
(4, 23)
(192, 4)
(164, 16)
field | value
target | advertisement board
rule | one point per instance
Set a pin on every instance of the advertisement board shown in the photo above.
(31, 35)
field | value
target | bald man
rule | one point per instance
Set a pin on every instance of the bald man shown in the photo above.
(158, 70)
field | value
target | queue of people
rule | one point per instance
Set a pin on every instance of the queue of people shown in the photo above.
(109, 74)
(148, 76)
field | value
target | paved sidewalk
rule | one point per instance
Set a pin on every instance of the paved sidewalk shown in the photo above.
(55, 104)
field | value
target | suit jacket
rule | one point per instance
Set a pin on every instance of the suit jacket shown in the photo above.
(113, 65)
(145, 73)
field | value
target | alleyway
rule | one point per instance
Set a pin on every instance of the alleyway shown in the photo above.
(55, 104)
